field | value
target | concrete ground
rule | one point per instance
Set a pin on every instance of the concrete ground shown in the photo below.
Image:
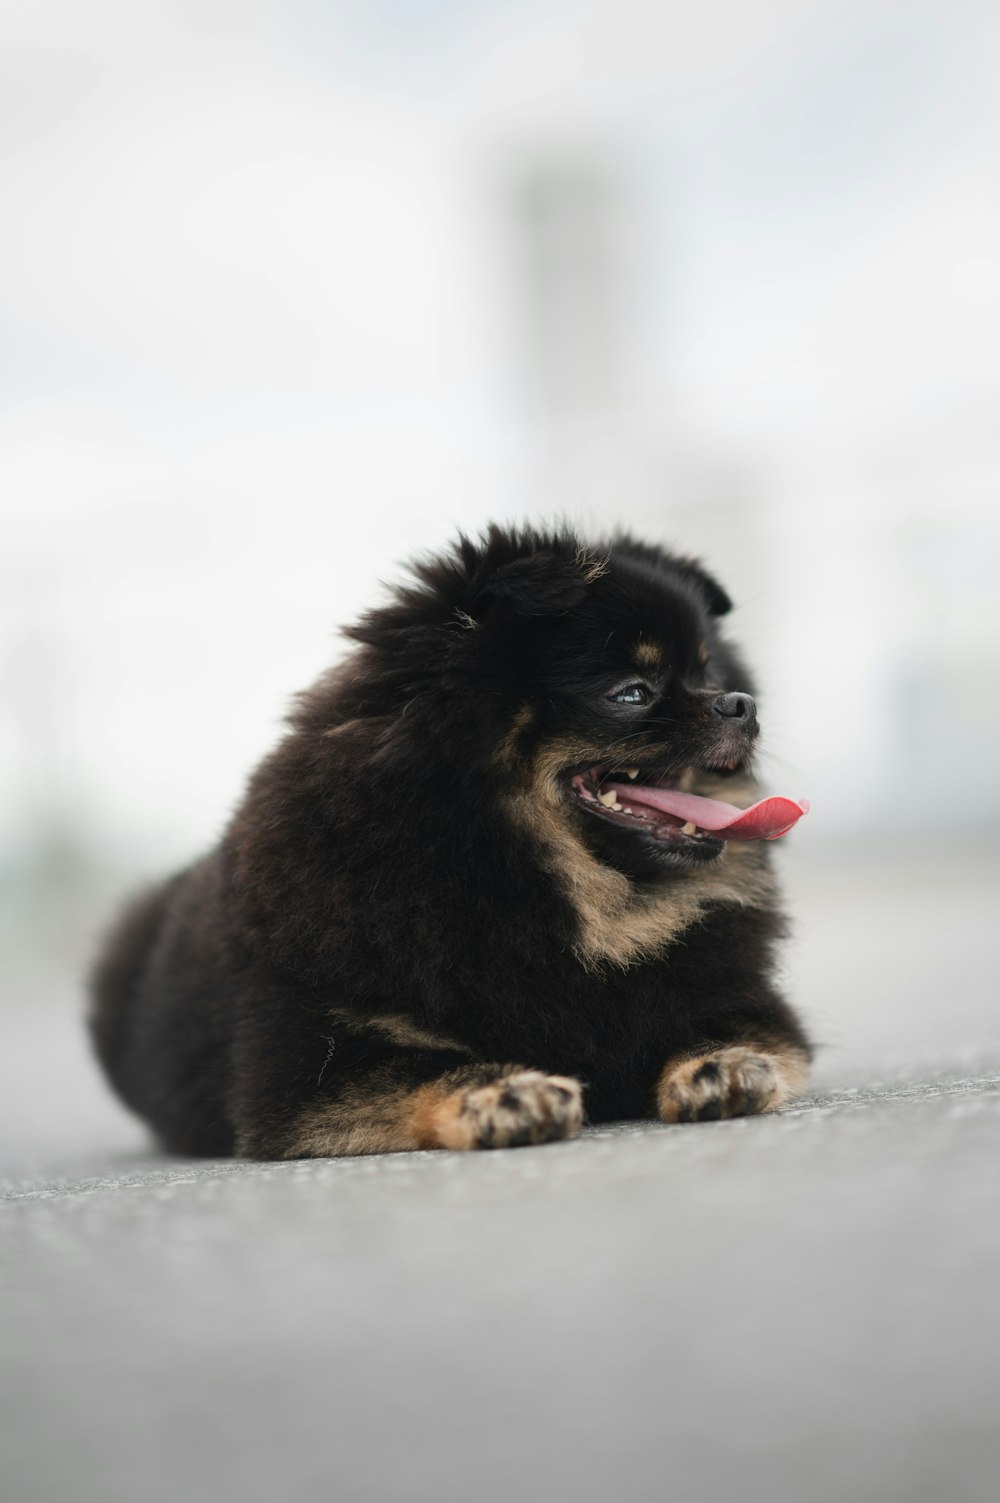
(792, 1309)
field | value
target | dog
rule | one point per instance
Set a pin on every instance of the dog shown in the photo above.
(505, 865)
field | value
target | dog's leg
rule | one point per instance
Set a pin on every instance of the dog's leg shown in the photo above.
(389, 1109)
(737, 1081)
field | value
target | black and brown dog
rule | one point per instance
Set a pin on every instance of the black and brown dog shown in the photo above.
(486, 871)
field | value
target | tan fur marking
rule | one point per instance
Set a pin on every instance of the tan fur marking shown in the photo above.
(620, 925)
(436, 1109)
(743, 1079)
(360, 1121)
(703, 654)
(593, 568)
(522, 1106)
(507, 751)
(647, 654)
(398, 1029)
(344, 728)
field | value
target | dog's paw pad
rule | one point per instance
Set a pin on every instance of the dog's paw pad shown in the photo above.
(526, 1107)
(735, 1082)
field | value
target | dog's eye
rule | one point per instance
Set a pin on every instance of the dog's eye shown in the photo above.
(632, 694)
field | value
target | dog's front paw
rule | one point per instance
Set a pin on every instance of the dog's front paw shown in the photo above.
(734, 1082)
(524, 1107)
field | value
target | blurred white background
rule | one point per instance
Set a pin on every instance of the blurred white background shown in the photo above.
(290, 290)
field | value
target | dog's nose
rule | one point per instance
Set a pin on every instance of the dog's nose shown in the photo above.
(736, 707)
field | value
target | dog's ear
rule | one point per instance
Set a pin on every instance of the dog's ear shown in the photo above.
(506, 573)
(715, 597)
(690, 570)
(543, 583)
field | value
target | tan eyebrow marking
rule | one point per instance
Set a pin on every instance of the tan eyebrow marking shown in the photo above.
(703, 654)
(647, 654)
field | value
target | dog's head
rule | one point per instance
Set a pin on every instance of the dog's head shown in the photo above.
(590, 682)
(629, 690)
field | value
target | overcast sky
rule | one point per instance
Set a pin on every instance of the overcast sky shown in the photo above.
(290, 290)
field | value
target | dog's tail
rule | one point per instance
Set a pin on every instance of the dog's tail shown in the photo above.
(115, 977)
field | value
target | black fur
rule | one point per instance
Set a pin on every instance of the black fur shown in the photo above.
(374, 868)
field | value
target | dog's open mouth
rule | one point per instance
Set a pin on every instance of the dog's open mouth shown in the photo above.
(657, 808)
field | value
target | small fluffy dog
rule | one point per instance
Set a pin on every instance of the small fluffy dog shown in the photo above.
(485, 882)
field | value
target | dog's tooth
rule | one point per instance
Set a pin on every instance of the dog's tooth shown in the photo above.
(617, 808)
(607, 799)
(688, 829)
(632, 772)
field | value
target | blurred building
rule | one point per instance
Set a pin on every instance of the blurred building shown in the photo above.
(292, 290)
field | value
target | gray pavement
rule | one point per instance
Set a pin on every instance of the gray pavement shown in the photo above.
(801, 1307)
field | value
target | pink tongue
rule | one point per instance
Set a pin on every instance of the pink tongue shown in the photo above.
(766, 820)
